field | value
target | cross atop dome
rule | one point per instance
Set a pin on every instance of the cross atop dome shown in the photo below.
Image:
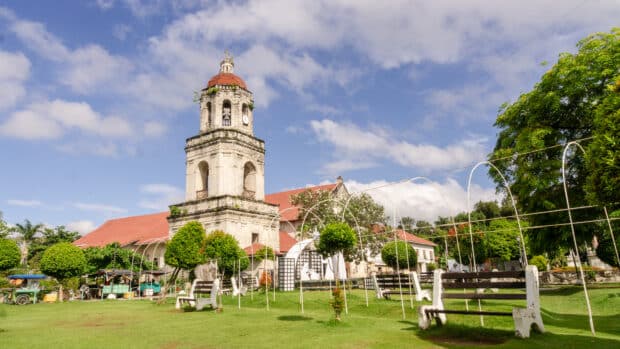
(227, 65)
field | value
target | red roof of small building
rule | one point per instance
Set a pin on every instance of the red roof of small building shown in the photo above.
(288, 212)
(137, 229)
(403, 235)
(253, 248)
(226, 79)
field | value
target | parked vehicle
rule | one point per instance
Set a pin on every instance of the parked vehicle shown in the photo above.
(27, 289)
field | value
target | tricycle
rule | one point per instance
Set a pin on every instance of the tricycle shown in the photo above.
(27, 289)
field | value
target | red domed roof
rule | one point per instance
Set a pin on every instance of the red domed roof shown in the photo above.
(226, 79)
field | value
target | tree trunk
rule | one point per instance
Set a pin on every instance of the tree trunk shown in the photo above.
(60, 293)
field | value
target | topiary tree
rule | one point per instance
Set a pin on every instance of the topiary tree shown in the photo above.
(336, 237)
(63, 261)
(10, 254)
(392, 249)
(540, 262)
(225, 249)
(186, 249)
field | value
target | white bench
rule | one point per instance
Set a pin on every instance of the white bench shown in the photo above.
(523, 318)
(238, 289)
(202, 293)
(389, 284)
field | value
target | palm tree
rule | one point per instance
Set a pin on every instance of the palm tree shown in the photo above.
(27, 232)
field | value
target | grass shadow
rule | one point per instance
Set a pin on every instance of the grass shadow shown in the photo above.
(294, 318)
(460, 335)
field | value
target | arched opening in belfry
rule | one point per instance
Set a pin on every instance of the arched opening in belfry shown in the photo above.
(202, 185)
(245, 114)
(226, 113)
(249, 180)
(209, 124)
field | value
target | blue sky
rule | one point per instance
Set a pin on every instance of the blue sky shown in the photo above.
(96, 98)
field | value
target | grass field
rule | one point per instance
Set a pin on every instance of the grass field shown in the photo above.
(143, 324)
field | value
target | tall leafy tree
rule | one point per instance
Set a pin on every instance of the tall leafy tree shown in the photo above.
(562, 107)
(113, 256)
(224, 249)
(406, 223)
(63, 261)
(337, 237)
(186, 249)
(27, 233)
(317, 207)
(9, 254)
(49, 237)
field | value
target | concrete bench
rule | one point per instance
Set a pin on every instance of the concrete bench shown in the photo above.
(201, 294)
(388, 284)
(523, 318)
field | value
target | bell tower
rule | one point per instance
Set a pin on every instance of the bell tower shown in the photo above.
(225, 166)
(226, 102)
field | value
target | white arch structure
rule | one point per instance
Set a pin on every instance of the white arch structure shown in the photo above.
(572, 229)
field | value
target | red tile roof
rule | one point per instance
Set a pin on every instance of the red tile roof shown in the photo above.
(403, 235)
(286, 242)
(137, 229)
(253, 248)
(226, 79)
(288, 212)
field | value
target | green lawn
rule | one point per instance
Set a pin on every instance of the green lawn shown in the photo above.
(143, 324)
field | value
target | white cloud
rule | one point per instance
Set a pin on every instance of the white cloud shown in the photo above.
(105, 4)
(52, 119)
(14, 71)
(160, 196)
(154, 129)
(92, 66)
(121, 31)
(83, 227)
(81, 69)
(103, 208)
(355, 147)
(24, 203)
(422, 199)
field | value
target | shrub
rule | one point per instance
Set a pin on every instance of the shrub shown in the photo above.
(540, 262)
(10, 255)
(402, 249)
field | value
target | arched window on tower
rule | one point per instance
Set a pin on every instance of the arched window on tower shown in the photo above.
(226, 113)
(202, 181)
(245, 118)
(209, 124)
(249, 181)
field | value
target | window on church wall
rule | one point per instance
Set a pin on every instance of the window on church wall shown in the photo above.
(249, 180)
(202, 185)
(209, 114)
(254, 238)
(226, 113)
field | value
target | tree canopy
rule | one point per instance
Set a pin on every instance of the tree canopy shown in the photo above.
(577, 99)
(336, 237)
(399, 255)
(63, 260)
(186, 248)
(113, 256)
(9, 254)
(225, 249)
